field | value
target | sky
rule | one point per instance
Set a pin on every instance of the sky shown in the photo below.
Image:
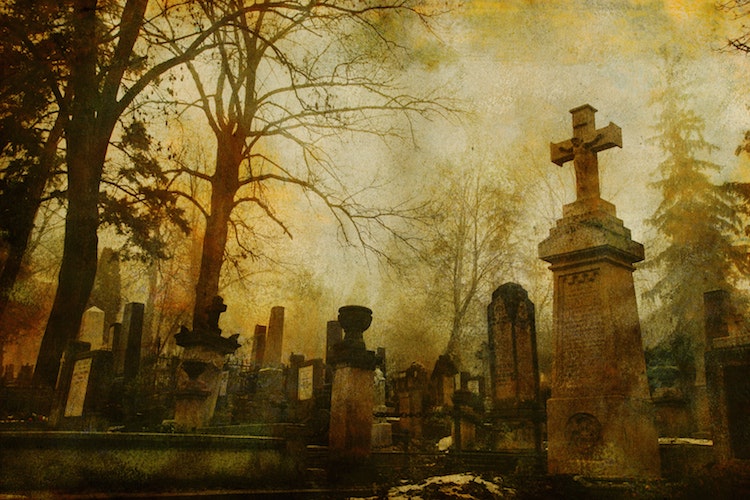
(516, 68)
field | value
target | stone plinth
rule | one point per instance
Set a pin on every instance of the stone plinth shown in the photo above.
(352, 393)
(600, 416)
(199, 380)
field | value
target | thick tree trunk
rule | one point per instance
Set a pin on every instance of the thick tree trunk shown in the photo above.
(224, 186)
(86, 147)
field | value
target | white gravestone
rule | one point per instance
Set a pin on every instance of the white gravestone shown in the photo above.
(92, 327)
(305, 383)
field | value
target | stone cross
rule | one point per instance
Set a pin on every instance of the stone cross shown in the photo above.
(582, 148)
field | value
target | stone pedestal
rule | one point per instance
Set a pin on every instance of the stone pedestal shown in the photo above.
(199, 381)
(600, 416)
(352, 394)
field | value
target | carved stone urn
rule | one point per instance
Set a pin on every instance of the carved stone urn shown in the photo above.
(354, 320)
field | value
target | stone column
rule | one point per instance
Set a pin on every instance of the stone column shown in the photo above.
(350, 429)
(600, 416)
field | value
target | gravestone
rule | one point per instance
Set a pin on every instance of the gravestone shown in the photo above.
(727, 375)
(412, 388)
(259, 345)
(126, 348)
(82, 397)
(442, 384)
(600, 416)
(517, 408)
(514, 367)
(199, 381)
(274, 338)
(92, 327)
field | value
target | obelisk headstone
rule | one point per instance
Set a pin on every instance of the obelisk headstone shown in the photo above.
(127, 344)
(600, 416)
(259, 345)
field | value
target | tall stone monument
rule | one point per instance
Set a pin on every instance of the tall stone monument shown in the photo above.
(352, 398)
(600, 416)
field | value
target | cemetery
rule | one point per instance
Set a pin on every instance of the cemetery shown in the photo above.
(122, 420)
(375, 249)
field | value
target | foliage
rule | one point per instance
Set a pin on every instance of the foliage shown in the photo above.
(288, 83)
(697, 221)
(470, 250)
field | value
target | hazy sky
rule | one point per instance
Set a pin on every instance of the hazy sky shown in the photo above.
(517, 68)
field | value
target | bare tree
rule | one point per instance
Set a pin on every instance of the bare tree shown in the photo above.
(109, 64)
(285, 82)
(472, 246)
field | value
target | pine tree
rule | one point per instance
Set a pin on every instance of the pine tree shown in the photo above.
(697, 224)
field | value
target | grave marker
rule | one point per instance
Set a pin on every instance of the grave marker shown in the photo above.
(600, 416)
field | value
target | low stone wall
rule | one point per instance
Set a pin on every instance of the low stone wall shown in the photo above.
(112, 462)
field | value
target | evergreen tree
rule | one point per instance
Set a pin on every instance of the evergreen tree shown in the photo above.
(697, 224)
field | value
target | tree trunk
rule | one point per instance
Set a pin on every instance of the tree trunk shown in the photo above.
(34, 185)
(86, 146)
(224, 186)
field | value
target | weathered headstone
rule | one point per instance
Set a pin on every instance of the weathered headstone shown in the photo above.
(727, 378)
(82, 395)
(517, 407)
(274, 338)
(200, 380)
(600, 416)
(514, 367)
(411, 390)
(442, 383)
(259, 345)
(127, 345)
(92, 327)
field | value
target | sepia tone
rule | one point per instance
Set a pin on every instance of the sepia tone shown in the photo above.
(337, 249)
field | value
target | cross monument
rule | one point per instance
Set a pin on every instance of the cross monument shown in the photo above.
(599, 416)
(582, 148)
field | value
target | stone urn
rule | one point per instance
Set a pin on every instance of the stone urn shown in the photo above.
(354, 320)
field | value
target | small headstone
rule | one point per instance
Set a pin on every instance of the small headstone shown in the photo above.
(127, 345)
(92, 327)
(274, 337)
(259, 345)
(305, 383)
(78, 387)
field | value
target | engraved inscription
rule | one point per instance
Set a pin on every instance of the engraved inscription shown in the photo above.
(78, 387)
(582, 326)
(503, 338)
